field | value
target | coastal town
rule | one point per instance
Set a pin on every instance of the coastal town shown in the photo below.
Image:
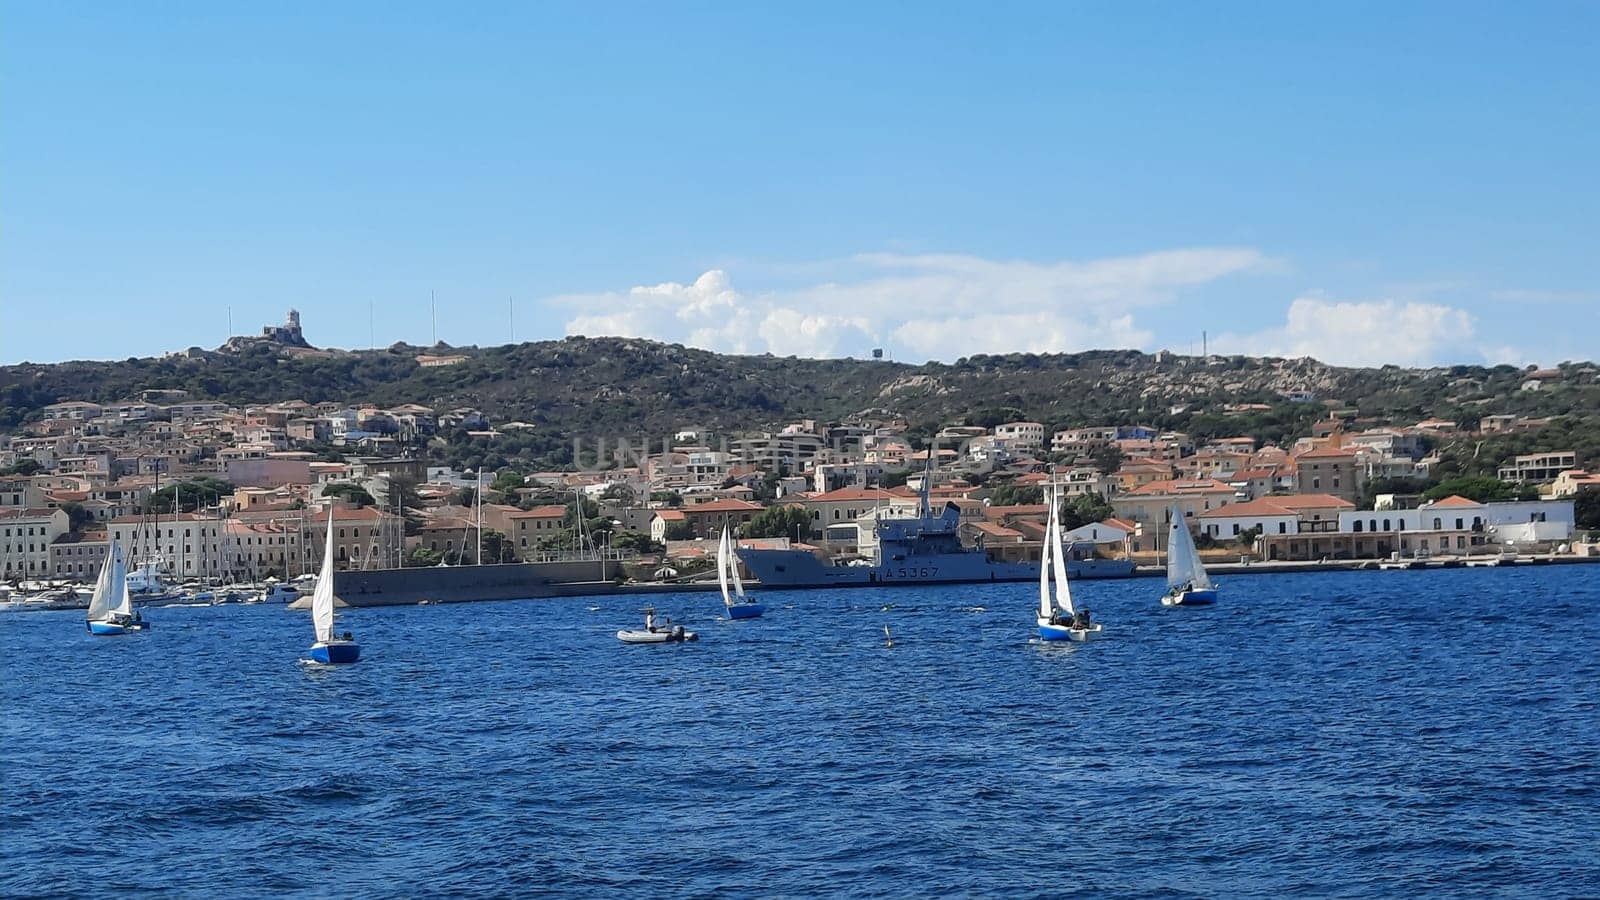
(222, 494)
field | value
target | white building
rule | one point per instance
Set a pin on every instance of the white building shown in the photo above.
(1020, 435)
(26, 534)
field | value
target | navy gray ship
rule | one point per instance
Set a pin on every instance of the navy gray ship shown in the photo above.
(926, 549)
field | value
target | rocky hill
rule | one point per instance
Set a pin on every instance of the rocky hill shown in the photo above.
(637, 387)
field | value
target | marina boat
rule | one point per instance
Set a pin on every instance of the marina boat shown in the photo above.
(1058, 620)
(231, 593)
(656, 633)
(740, 606)
(329, 648)
(110, 606)
(281, 593)
(147, 588)
(1187, 581)
(55, 598)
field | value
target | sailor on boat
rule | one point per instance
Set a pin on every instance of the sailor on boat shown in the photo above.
(656, 634)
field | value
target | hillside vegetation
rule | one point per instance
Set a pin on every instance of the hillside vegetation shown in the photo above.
(627, 387)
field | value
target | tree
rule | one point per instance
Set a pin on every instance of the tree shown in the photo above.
(1084, 509)
(1482, 488)
(621, 493)
(1108, 459)
(23, 467)
(672, 499)
(497, 548)
(507, 483)
(422, 556)
(190, 495)
(636, 541)
(779, 521)
(403, 491)
(680, 531)
(1586, 508)
(1372, 487)
(894, 478)
(1247, 536)
(349, 490)
(77, 516)
(590, 511)
(1013, 494)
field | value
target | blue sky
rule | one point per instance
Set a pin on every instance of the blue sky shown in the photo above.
(1364, 183)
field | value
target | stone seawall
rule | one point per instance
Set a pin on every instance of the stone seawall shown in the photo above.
(456, 584)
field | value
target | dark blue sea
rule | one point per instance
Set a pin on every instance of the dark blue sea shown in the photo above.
(1341, 734)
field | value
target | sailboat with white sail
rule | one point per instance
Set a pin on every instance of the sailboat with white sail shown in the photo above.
(111, 606)
(1058, 619)
(739, 606)
(1187, 581)
(329, 648)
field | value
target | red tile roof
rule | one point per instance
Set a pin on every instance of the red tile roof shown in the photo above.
(1285, 505)
(1454, 500)
(852, 493)
(540, 512)
(993, 530)
(727, 504)
(1182, 486)
(1253, 474)
(1022, 509)
(1327, 453)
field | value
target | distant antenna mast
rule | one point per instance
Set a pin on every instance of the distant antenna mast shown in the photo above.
(372, 339)
(230, 321)
(433, 306)
(511, 312)
(1203, 350)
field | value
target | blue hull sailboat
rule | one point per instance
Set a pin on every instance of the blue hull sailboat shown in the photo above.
(738, 605)
(1058, 619)
(329, 649)
(335, 652)
(1187, 581)
(111, 606)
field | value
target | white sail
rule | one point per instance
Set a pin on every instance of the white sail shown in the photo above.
(100, 604)
(1183, 560)
(121, 599)
(722, 567)
(322, 597)
(733, 568)
(1058, 560)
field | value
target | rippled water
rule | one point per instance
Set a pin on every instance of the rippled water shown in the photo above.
(1351, 733)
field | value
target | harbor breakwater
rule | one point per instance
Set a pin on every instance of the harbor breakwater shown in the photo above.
(533, 581)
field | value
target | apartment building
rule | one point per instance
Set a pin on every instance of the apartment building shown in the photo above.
(26, 534)
(1020, 435)
(1328, 470)
(1534, 467)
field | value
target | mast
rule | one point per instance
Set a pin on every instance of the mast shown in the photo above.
(183, 546)
(478, 502)
(1045, 604)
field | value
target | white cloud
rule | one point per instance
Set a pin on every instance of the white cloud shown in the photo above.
(938, 306)
(1369, 333)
